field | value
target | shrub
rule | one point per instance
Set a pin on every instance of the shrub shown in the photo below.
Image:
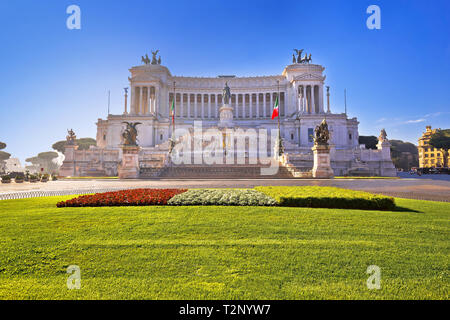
(134, 197)
(328, 197)
(222, 197)
(6, 178)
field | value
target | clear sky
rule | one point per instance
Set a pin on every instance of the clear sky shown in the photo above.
(53, 78)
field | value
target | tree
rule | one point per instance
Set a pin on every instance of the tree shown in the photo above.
(45, 160)
(369, 141)
(83, 144)
(4, 155)
(441, 140)
(404, 154)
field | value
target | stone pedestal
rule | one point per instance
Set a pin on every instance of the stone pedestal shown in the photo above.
(129, 168)
(68, 168)
(322, 166)
(226, 116)
(387, 168)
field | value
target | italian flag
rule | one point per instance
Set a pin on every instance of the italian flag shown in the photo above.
(275, 109)
(172, 110)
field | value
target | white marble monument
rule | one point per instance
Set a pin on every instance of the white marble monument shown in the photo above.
(247, 105)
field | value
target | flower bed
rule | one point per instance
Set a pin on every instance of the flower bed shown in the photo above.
(328, 197)
(222, 197)
(134, 197)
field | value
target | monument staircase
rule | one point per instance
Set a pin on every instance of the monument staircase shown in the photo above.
(297, 163)
(235, 171)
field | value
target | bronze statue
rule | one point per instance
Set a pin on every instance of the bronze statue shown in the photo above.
(145, 59)
(154, 60)
(293, 58)
(226, 94)
(71, 137)
(299, 55)
(159, 60)
(322, 134)
(383, 135)
(130, 134)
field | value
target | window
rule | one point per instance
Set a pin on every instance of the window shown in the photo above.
(349, 136)
(104, 137)
(292, 136)
(160, 137)
(310, 134)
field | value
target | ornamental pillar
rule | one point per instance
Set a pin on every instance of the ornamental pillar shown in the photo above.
(257, 105)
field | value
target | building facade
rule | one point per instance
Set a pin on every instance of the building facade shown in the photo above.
(430, 157)
(300, 92)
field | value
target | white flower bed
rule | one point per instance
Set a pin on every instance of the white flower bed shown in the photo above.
(222, 197)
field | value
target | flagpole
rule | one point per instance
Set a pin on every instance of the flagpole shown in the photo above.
(280, 144)
(279, 109)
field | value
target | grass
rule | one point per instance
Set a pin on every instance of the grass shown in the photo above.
(222, 252)
(327, 197)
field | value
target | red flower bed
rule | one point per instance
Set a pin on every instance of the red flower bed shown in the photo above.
(134, 197)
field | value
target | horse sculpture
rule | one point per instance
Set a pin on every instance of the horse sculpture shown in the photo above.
(154, 59)
(145, 59)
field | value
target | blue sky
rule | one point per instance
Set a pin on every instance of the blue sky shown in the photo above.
(53, 78)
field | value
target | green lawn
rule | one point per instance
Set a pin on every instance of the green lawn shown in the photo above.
(223, 252)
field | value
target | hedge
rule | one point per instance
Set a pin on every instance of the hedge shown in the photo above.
(327, 197)
(222, 197)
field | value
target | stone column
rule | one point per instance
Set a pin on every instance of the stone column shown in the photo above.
(313, 103)
(148, 103)
(156, 107)
(264, 104)
(271, 101)
(209, 106)
(216, 110)
(182, 106)
(304, 100)
(141, 97)
(244, 114)
(126, 100)
(195, 105)
(203, 105)
(257, 105)
(188, 106)
(321, 109)
(328, 102)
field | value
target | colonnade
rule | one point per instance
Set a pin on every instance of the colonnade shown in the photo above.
(206, 106)
(310, 98)
(144, 100)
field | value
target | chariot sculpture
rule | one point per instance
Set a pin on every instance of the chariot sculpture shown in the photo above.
(155, 60)
(305, 60)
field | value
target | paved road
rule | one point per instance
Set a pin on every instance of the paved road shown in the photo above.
(426, 189)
